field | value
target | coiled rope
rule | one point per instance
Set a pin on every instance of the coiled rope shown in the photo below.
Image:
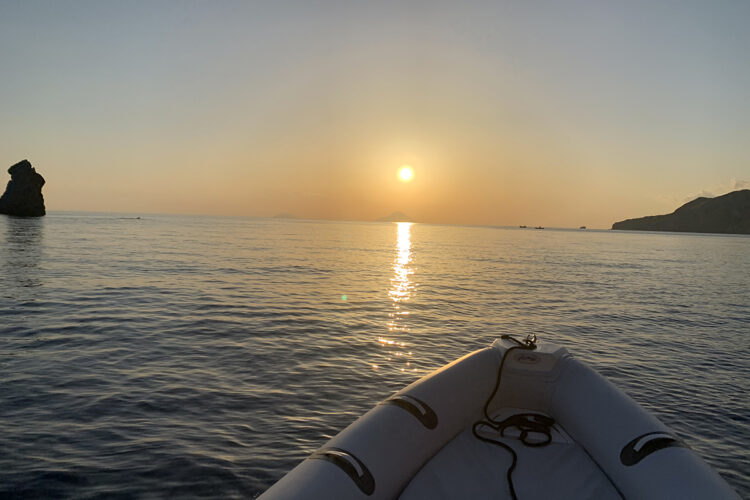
(529, 424)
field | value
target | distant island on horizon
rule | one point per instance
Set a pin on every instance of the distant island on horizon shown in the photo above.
(395, 217)
(729, 214)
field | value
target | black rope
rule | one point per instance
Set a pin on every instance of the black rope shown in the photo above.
(529, 424)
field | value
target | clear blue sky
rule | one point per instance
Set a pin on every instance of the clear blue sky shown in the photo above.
(554, 113)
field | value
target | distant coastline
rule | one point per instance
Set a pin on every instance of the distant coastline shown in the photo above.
(729, 213)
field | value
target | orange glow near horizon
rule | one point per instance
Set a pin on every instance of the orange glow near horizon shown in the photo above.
(205, 123)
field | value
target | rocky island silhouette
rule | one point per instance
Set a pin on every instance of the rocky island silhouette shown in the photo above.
(729, 213)
(23, 195)
(395, 217)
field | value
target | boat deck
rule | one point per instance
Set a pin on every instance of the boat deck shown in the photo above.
(467, 467)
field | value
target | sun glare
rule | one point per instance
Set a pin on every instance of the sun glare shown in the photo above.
(405, 173)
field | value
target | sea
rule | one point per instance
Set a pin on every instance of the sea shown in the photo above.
(155, 356)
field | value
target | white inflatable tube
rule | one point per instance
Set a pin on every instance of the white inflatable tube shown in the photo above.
(378, 455)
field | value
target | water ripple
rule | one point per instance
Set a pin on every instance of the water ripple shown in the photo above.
(204, 357)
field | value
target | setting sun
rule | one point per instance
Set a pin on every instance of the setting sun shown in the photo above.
(406, 173)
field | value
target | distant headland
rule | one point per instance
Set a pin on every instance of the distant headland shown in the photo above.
(23, 195)
(395, 217)
(729, 213)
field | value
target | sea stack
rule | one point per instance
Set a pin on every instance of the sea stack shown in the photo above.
(23, 195)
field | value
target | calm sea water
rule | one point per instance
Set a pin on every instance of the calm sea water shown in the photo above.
(205, 357)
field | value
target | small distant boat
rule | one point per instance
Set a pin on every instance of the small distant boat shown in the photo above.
(514, 420)
(522, 227)
(539, 227)
(582, 227)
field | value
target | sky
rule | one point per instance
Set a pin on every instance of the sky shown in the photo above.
(530, 112)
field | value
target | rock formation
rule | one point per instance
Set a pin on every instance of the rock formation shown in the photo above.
(729, 213)
(23, 195)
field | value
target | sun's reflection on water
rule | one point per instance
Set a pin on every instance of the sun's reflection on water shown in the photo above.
(401, 291)
(401, 287)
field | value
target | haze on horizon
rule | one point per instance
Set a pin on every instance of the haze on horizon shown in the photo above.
(509, 112)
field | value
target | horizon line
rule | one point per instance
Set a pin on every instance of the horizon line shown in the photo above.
(273, 217)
